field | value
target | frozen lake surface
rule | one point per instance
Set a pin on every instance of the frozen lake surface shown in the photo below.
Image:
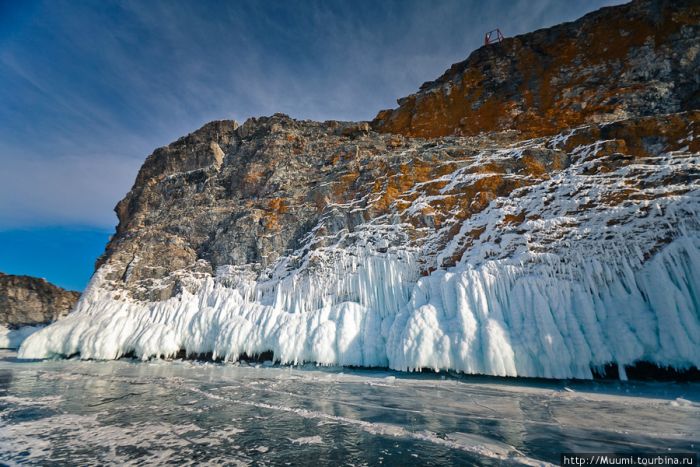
(182, 412)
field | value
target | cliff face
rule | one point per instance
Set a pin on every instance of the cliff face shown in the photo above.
(28, 301)
(480, 252)
(637, 59)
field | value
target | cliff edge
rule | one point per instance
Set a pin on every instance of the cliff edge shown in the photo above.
(633, 60)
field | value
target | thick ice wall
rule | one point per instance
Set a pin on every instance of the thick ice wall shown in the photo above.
(332, 312)
(508, 320)
(493, 319)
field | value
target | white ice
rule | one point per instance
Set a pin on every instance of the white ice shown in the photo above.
(13, 338)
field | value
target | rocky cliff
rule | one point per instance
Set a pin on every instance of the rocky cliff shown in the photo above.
(28, 301)
(546, 248)
(633, 60)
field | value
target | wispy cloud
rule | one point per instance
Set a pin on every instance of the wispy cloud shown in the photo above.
(88, 88)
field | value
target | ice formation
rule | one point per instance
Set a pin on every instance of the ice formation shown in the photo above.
(584, 279)
(13, 338)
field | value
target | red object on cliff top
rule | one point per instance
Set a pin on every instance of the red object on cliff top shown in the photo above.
(490, 39)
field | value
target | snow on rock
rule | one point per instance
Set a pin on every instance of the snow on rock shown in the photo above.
(597, 263)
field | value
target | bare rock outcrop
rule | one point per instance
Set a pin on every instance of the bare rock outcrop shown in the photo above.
(30, 301)
(632, 60)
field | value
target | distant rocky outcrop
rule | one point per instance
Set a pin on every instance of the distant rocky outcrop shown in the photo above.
(632, 60)
(31, 301)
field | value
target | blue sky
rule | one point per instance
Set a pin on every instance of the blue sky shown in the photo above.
(89, 88)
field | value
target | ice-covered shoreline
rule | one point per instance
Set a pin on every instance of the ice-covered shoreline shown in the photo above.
(463, 321)
(597, 264)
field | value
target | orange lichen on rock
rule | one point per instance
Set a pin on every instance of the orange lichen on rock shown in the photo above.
(399, 182)
(278, 205)
(345, 183)
(275, 208)
(600, 68)
(514, 219)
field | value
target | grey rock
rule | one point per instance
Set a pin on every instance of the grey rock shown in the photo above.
(28, 301)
